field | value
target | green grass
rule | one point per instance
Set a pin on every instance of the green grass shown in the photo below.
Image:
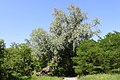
(45, 78)
(88, 77)
(101, 77)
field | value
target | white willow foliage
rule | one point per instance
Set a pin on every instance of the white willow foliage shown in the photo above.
(65, 29)
(40, 42)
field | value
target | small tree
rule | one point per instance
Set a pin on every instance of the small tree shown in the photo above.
(90, 59)
(98, 57)
(111, 45)
(18, 61)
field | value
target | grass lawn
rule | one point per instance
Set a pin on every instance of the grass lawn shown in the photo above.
(101, 77)
(45, 78)
(88, 77)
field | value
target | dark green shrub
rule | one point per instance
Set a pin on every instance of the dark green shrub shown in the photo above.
(2, 52)
(98, 57)
(111, 45)
(90, 58)
(17, 62)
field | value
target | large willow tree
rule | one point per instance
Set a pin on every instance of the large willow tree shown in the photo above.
(59, 45)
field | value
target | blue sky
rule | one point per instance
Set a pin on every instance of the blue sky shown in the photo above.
(19, 17)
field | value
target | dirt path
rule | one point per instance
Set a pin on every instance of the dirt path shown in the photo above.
(70, 78)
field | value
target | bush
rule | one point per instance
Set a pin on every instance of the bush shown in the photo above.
(2, 51)
(98, 57)
(111, 45)
(17, 62)
(90, 59)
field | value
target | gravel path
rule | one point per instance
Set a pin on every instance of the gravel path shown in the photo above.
(70, 78)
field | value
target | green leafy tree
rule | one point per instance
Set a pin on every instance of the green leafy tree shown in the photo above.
(102, 56)
(2, 51)
(18, 61)
(59, 46)
(90, 59)
(111, 45)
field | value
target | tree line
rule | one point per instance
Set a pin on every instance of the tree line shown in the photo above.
(68, 49)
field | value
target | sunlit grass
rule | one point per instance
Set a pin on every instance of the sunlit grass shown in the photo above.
(45, 78)
(101, 77)
(88, 77)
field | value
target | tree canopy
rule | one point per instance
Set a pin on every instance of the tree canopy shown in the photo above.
(102, 56)
(59, 46)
